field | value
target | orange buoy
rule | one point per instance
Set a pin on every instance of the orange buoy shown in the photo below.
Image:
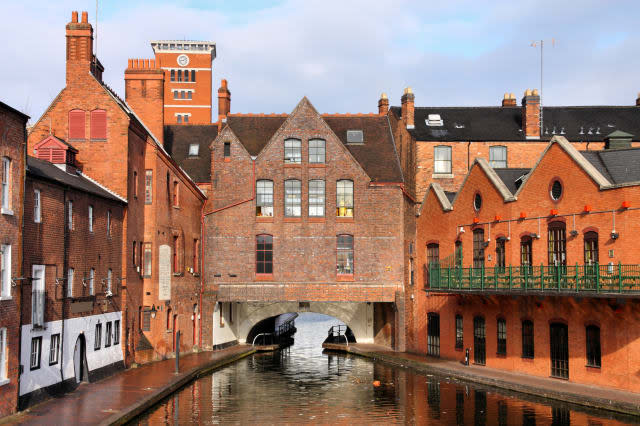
(376, 383)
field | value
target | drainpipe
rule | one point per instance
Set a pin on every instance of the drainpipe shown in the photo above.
(468, 155)
(201, 267)
(21, 250)
(65, 266)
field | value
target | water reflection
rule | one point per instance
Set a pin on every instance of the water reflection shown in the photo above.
(303, 385)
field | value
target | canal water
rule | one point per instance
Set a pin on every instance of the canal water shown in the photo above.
(302, 384)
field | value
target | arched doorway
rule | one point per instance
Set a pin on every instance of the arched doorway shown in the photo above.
(80, 360)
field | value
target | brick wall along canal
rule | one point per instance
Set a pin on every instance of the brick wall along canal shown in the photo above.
(303, 385)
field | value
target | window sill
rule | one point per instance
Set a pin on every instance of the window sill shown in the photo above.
(176, 207)
(4, 382)
(317, 166)
(442, 176)
(6, 211)
(5, 297)
(292, 219)
(98, 140)
(593, 367)
(77, 140)
(500, 355)
(344, 277)
(292, 165)
(344, 219)
(527, 358)
(317, 219)
(459, 349)
(37, 328)
(264, 277)
(264, 219)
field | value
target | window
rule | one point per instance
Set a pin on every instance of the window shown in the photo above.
(36, 346)
(344, 202)
(459, 332)
(92, 281)
(173, 75)
(292, 151)
(98, 124)
(227, 150)
(176, 198)
(146, 319)
(182, 94)
(317, 151)
(498, 157)
(458, 254)
(479, 341)
(193, 76)
(70, 274)
(97, 343)
(148, 186)
(316, 198)
(179, 75)
(5, 271)
(169, 317)
(189, 94)
(355, 136)
(3, 354)
(194, 149)
(557, 248)
(108, 223)
(442, 160)
(559, 349)
(37, 295)
(433, 334)
(116, 332)
(478, 248)
(527, 339)
(147, 260)
(176, 267)
(70, 214)
(526, 256)
(502, 336)
(107, 334)
(6, 184)
(556, 190)
(590, 248)
(264, 254)
(292, 198)
(109, 274)
(135, 184)
(133, 253)
(345, 255)
(178, 116)
(500, 255)
(593, 346)
(477, 201)
(186, 73)
(433, 259)
(264, 198)
(54, 349)
(37, 214)
(175, 94)
(76, 124)
(90, 218)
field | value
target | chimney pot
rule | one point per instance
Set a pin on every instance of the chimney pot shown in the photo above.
(74, 17)
(535, 92)
(508, 100)
(85, 18)
(512, 96)
(408, 108)
(383, 104)
(531, 114)
(527, 92)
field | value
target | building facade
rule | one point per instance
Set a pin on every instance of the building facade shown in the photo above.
(536, 270)
(12, 156)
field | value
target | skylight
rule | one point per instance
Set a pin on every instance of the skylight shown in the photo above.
(434, 120)
(355, 136)
(194, 149)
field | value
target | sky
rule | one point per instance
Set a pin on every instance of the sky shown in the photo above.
(343, 54)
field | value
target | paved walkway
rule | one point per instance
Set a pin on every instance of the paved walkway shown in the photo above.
(592, 396)
(121, 397)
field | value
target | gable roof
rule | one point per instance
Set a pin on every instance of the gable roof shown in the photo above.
(44, 170)
(178, 138)
(504, 124)
(255, 131)
(53, 140)
(510, 176)
(22, 115)
(619, 166)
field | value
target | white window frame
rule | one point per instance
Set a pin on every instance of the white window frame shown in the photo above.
(37, 294)
(97, 342)
(37, 206)
(116, 332)
(317, 191)
(92, 279)
(35, 353)
(5, 272)
(107, 334)
(54, 349)
(3, 357)
(494, 150)
(70, 274)
(70, 215)
(109, 275)
(6, 186)
(443, 166)
(292, 151)
(194, 150)
(90, 218)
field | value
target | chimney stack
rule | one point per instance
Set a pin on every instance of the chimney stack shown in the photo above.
(383, 104)
(531, 114)
(509, 100)
(144, 92)
(224, 102)
(79, 47)
(408, 109)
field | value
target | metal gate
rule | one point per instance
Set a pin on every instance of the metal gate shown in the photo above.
(559, 350)
(479, 341)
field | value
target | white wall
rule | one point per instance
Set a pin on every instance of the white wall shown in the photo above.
(226, 333)
(48, 375)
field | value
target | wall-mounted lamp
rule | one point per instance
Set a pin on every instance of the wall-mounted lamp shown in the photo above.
(626, 204)
(614, 235)
(523, 215)
(153, 311)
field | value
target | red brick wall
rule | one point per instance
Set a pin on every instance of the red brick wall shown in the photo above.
(12, 145)
(144, 93)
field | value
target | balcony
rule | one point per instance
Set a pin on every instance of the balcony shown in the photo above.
(584, 280)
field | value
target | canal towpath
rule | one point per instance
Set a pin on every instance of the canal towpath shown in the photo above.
(123, 396)
(591, 396)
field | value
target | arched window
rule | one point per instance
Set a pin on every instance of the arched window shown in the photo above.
(264, 198)
(459, 332)
(526, 256)
(98, 124)
(316, 198)
(557, 248)
(292, 198)
(76, 124)
(316, 151)
(593, 346)
(345, 255)
(500, 254)
(344, 201)
(264, 254)
(590, 248)
(478, 248)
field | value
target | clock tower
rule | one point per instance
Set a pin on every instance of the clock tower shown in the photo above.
(187, 79)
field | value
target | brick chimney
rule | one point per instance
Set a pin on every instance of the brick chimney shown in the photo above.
(224, 101)
(407, 101)
(383, 104)
(79, 47)
(531, 114)
(144, 92)
(509, 100)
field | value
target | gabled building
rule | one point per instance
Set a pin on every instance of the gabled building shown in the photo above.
(536, 271)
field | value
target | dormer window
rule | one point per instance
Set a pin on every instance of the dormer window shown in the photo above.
(194, 149)
(434, 120)
(355, 136)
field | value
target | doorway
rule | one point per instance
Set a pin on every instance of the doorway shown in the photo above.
(80, 360)
(559, 350)
(479, 341)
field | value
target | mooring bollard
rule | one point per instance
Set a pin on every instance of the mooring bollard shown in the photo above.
(178, 352)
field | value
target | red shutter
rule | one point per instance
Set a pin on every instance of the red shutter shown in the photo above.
(98, 124)
(76, 124)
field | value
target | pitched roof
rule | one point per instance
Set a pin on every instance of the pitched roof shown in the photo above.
(510, 176)
(178, 138)
(619, 166)
(24, 116)
(576, 123)
(255, 131)
(45, 170)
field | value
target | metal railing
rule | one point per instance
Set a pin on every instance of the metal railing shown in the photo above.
(336, 331)
(610, 278)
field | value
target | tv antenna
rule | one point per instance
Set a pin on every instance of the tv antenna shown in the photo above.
(535, 44)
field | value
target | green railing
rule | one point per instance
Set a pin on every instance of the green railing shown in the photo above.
(595, 278)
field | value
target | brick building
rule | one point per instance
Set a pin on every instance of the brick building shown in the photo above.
(12, 156)
(72, 311)
(536, 270)
(160, 285)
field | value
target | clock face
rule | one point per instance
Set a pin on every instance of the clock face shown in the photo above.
(183, 60)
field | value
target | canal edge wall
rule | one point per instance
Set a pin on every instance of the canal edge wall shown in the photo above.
(181, 380)
(587, 400)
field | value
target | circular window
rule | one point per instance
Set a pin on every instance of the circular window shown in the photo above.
(477, 202)
(556, 190)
